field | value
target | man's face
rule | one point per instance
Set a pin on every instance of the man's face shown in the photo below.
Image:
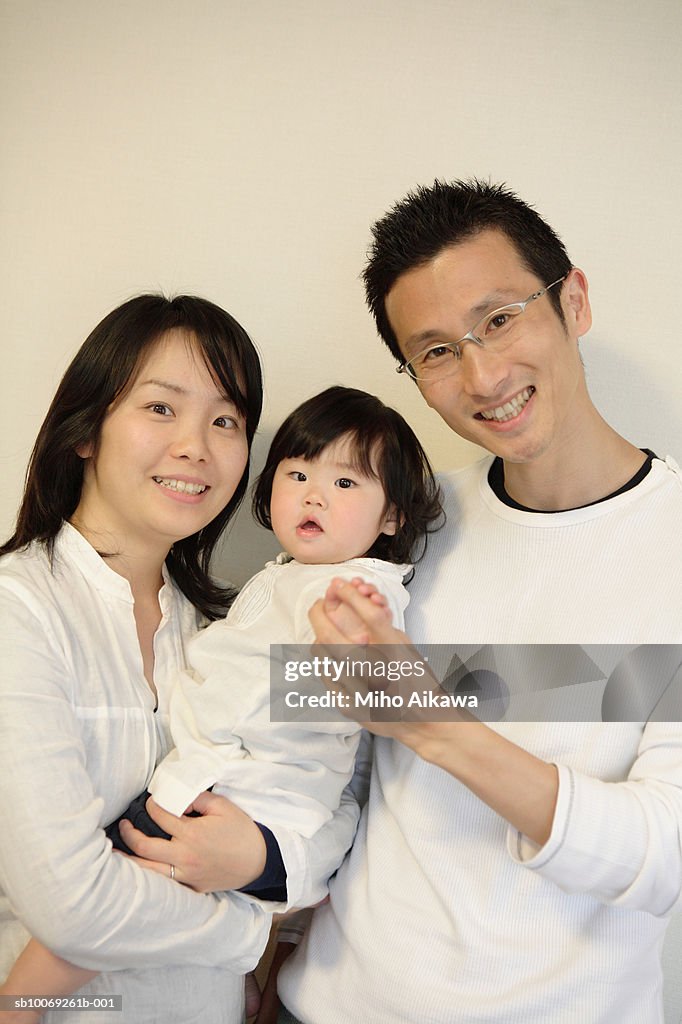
(541, 374)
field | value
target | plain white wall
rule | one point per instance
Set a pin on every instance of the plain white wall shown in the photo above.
(241, 151)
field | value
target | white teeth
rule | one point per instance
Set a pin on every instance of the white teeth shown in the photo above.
(509, 409)
(180, 485)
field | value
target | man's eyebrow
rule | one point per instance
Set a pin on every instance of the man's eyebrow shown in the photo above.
(492, 301)
(489, 303)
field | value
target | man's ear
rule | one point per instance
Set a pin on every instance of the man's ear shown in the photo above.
(576, 302)
(391, 522)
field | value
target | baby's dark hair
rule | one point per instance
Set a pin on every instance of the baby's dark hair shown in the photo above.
(383, 446)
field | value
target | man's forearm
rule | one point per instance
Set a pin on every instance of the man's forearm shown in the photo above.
(520, 787)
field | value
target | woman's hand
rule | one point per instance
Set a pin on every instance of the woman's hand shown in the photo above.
(222, 849)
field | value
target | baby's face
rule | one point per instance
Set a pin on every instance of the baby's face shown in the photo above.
(323, 511)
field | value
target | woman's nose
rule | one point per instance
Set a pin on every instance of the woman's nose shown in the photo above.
(190, 443)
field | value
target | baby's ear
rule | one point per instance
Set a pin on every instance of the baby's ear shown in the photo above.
(392, 521)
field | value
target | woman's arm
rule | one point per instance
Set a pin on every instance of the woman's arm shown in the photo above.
(64, 884)
(212, 856)
(220, 850)
(38, 972)
(309, 863)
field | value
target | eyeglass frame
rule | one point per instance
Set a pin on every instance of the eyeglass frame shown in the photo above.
(470, 336)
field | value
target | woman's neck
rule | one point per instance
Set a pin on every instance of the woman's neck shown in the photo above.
(142, 568)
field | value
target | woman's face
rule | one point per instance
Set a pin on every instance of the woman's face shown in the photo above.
(172, 451)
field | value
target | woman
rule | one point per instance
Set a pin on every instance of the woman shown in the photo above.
(140, 464)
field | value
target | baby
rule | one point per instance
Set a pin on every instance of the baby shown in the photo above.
(348, 492)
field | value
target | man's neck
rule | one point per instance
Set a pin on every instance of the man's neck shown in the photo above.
(597, 467)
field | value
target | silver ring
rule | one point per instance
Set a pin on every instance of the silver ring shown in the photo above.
(172, 871)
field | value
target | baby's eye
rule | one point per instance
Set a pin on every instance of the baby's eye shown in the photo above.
(344, 483)
(297, 475)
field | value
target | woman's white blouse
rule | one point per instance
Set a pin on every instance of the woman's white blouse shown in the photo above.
(79, 738)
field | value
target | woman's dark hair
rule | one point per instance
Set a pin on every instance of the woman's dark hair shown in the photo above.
(100, 372)
(434, 217)
(383, 446)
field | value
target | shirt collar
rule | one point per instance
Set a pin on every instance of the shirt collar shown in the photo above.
(78, 552)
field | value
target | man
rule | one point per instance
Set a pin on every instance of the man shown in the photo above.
(521, 873)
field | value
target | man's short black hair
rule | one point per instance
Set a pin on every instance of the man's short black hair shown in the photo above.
(431, 218)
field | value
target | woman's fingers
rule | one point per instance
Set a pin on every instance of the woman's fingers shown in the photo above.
(148, 848)
(168, 857)
(211, 803)
(161, 867)
(220, 849)
(172, 871)
(170, 823)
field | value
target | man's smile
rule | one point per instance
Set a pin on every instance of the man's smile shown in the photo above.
(508, 410)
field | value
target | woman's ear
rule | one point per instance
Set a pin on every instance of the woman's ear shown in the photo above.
(85, 450)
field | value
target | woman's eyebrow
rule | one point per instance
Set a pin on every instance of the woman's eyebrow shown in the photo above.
(178, 389)
(163, 384)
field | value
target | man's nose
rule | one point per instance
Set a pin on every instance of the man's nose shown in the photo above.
(483, 374)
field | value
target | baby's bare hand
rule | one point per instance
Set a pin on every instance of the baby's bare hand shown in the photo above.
(370, 591)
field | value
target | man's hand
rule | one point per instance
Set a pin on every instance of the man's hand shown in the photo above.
(222, 849)
(353, 616)
(355, 613)
(520, 787)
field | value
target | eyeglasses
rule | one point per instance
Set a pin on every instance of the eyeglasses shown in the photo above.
(494, 332)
